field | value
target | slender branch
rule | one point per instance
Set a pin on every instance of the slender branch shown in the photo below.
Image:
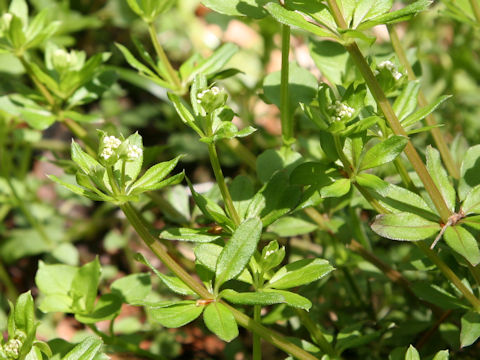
(285, 116)
(217, 170)
(422, 101)
(406, 179)
(159, 250)
(171, 73)
(243, 153)
(390, 116)
(257, 346)
(80, 133)
(432, 330)
(316, 333)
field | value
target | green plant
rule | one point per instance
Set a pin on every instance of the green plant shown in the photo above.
(297, 222)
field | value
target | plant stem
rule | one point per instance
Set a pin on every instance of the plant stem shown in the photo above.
(271, 336)
(158, 249)
(171, 73)
(422, 101)
(82, 134)
(390, 116)
(476, 9)
(257, 346)
(46, 94)
(472, 299)
(285, 116)
(316, 333)
(406, 179)
(217, 170)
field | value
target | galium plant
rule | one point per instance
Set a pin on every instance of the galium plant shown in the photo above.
(351, 168)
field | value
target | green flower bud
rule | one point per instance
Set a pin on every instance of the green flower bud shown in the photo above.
(63, 60)
(212, 99)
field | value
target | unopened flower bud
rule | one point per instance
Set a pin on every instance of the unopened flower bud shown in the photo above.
(211, 99)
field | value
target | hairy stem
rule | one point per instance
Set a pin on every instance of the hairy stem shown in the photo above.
(171, 73)
(217, 170)
(285, 117)
(447, 158)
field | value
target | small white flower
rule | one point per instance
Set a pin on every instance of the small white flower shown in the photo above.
(390, 67)
(111, 142)
(134, 152)
(269, 252)
(12, 348)
(107, 152)
(340, 110)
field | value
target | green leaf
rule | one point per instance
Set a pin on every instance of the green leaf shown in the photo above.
(338, 188)
(172, 282)
(214, 62)
(423, 112)
(383, 152)
(300, 272)
(38, 118)
(87, 163)
(154, 175)
(80, 191)
(176, 314)
(367, 9)
(463, 242)
(107, 308)
(251, 8)
(292, 18)
(237, 252)
(412, 354)
(20, 9)
(470, 328)
(132, 288)
(251, 298)
(272, 256)
(469, 171)
(269, 205)
(86, 350)
(24, 313)
(441, 355)
(55, 281)
(219, 320)
(210, 208)
(436, 295)
(184, 113)
(291, 226)
(331, 58)
(404, 226)
(133, 62)
(472, 202)
(85, 286)
(406, 102)
(187, 234)
(207, 255)
(440, 177)
(302, 86)
(272, 160)
(241, 191)
(396, 16)
(292, 299)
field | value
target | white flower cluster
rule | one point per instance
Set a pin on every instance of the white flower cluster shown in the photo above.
(12, 348)
(110, 143)
(390, 67)
(134, 152)
(214, 91)
(341, 110)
